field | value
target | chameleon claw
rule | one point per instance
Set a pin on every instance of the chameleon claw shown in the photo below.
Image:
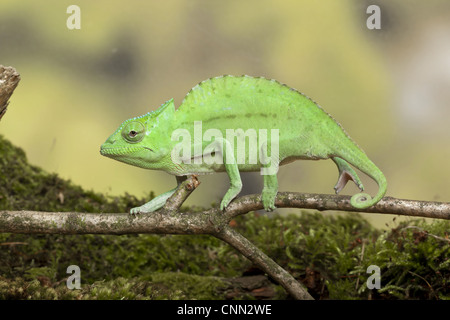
(135, 211)
(269, 202)
(232, 192)
(224, 204)
(270, 207)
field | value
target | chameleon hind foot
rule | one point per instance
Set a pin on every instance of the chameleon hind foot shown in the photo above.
(346, 174)
(268, 199)
(269, 192)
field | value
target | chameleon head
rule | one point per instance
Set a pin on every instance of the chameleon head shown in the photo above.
(137, 141)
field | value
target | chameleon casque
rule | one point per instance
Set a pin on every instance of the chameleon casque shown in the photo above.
(246, 105)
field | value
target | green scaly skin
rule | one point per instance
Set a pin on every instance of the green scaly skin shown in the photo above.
(229, 102)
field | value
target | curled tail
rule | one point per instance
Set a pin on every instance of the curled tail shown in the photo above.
(363, 200)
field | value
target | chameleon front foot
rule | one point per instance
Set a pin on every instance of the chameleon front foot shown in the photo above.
(154, 204)
(136, 211)
(225, 202)
(150, 206)
(139, 210)
(232, 192)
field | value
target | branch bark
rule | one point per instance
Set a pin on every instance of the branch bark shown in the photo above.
(213, 222)
(9, 79)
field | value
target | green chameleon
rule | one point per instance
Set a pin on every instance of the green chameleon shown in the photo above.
(207, 134)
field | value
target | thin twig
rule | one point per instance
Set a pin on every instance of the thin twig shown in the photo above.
(182, 193)
(359, 264)
(426, 232)
(259, 258)
(429, 285)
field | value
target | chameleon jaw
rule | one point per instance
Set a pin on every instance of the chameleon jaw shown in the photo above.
(121, 151)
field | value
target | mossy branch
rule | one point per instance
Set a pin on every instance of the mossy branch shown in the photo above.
(213, 222)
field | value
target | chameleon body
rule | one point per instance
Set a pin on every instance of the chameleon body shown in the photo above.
(171, 140)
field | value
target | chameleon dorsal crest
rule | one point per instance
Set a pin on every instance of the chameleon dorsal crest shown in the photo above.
(247, 107)
(166, 110)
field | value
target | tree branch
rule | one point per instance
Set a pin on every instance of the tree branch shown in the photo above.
(212, 222)
(207, 222)
(183, 191)
(9, 79)
(322, 202)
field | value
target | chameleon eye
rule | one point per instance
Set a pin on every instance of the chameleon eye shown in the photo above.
(133, 132)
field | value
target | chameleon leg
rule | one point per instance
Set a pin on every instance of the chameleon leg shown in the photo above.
(159, 201)
(269, 192)
(346, 173)
(269, 172)
(232, 170)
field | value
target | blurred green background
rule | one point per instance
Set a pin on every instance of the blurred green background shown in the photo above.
(389, 88)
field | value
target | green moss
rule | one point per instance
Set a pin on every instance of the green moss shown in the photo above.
(27, 187)
(178, 285)
(328, 254)
(160, 286)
